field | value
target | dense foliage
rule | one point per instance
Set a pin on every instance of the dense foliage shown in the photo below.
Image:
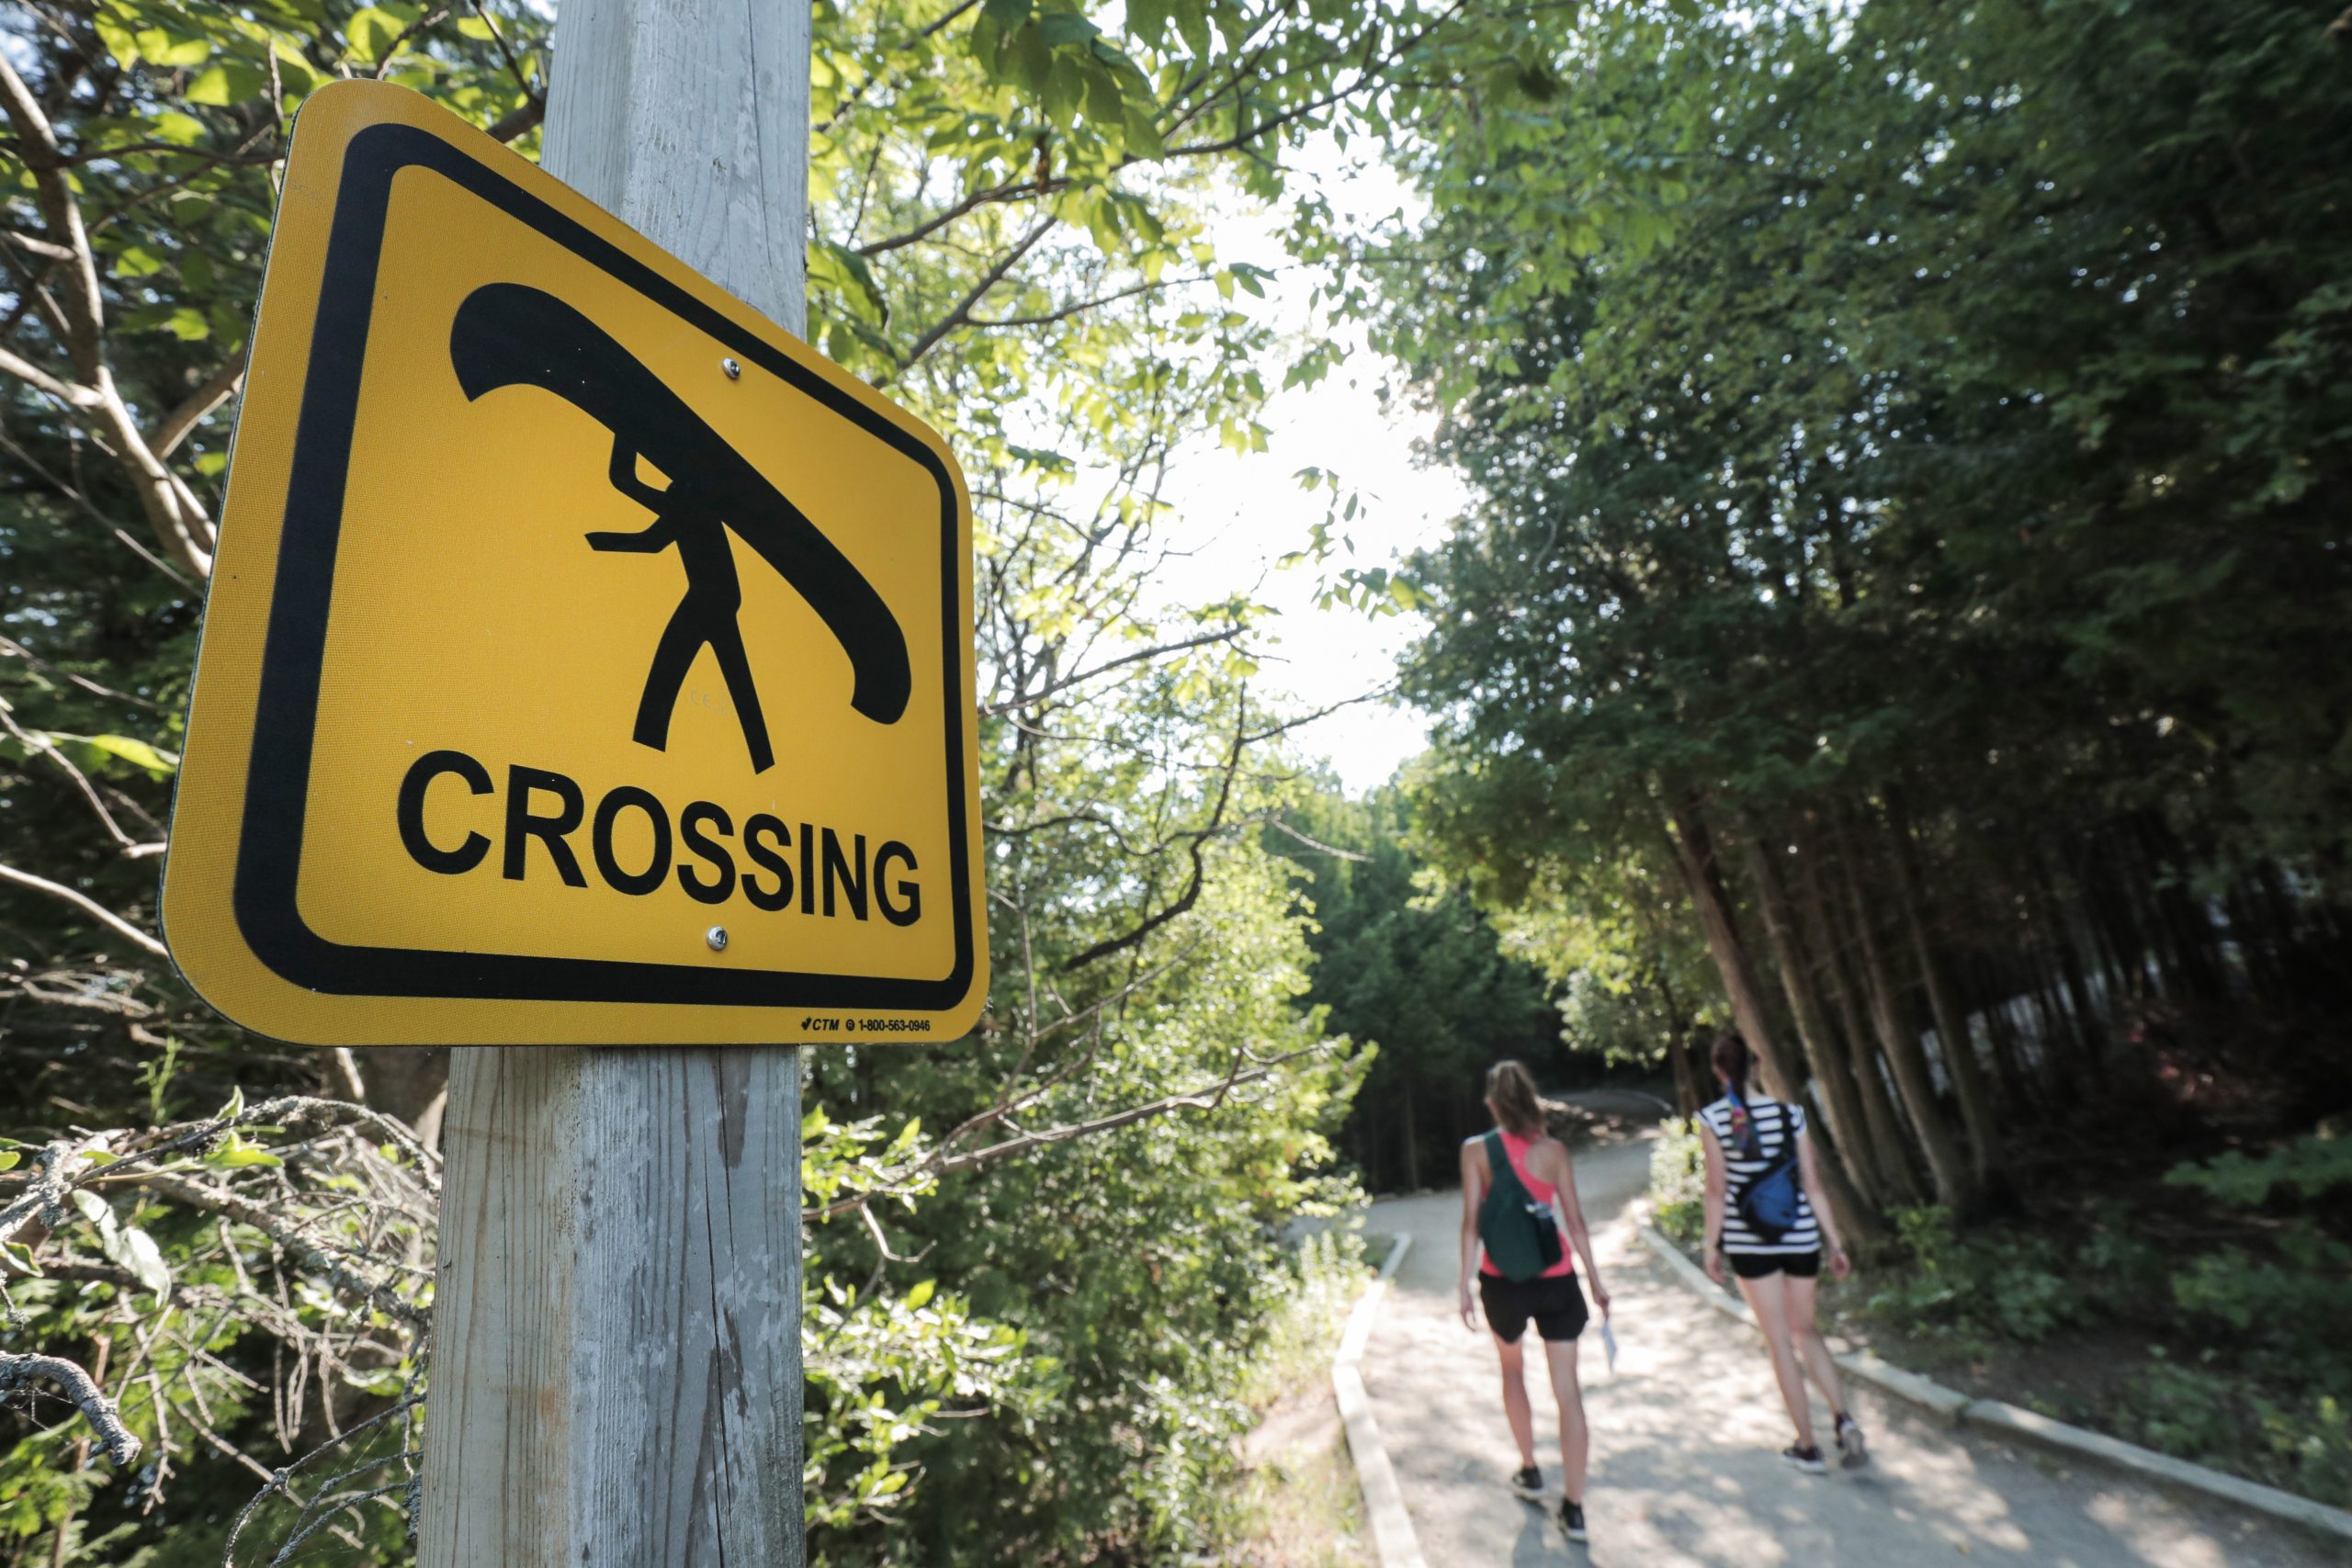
(1910, 499)
(1419, 977)
(1909, 451)
(1040, 1259)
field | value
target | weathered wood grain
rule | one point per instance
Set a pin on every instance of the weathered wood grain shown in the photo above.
(616, 1359)
(617, 1371)
(689, 119)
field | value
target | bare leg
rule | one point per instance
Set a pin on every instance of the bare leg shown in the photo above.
(1522, 1419)
(1574, 1442)
(1806, 1336)
(1768, 1299)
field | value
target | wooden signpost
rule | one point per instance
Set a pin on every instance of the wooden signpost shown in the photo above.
(587, 667)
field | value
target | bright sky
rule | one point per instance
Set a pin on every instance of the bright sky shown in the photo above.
(1246, 511)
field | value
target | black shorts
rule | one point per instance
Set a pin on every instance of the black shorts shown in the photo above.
(1556, 1303)
(1764, 1265)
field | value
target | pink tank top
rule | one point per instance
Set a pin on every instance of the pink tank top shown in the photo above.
(1516, 1147)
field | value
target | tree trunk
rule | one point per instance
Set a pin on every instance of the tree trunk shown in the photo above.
(2055, 1043)
(1951, 1021)
(1890, 1148)
(410, 1082)
(1946, 1169)
(2017, 1095)
(1412, 1148)
(1696, 854)
(2082, 1016)
(1841, 1101)
(1677, 1054)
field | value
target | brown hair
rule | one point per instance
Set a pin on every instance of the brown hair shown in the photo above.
(1732, 1060)
(1511, 1092)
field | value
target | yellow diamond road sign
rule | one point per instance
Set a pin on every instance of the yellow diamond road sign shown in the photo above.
(587, 660)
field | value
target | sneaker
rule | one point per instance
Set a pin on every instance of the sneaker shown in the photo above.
(1528, 1484)
(1572, 1520)
(1850, 1444)
(1806, 1458)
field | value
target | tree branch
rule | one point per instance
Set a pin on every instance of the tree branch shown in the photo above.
(216, 389)
(989, 279)
(998, 710)
(83, 1389)
(88, 906)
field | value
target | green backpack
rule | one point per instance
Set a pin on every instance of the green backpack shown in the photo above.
(1520, 1235)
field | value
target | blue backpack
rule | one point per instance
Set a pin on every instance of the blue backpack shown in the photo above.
(1771, 1204)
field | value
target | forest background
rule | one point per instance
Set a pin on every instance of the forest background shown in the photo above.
(1907, 453)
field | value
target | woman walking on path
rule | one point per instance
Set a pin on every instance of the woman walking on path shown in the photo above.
(1759, 1168)
(1513, 1212)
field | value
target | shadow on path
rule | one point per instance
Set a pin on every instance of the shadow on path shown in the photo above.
(1686, 1434)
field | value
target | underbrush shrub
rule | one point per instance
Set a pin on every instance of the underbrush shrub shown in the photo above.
(1678, 1182)
(2255, 1375)
(1323, 1276)
(1969, 1291)
(2208, 1414)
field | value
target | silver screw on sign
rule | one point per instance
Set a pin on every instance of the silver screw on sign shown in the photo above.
(734, 372)
(716, 937)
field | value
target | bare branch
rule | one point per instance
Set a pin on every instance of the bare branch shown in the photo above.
(1031, 699)
(1208, 1098)
(83, 1389)
(42, 746)
(216, 389)
(11, 648)
(88, 906)
(182, 525)
(989, 279)
(1183, 902)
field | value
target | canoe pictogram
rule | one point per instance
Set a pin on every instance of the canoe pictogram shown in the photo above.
(509, 335)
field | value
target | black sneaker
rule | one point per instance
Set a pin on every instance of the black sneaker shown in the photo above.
(1806, 1458)
(1528, 1484)
(1850, 1444)
(1572, 1520)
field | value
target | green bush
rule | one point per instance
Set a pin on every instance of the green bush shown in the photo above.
(1679, 1183)
(2302, 1442)
(1972, 1290)
(2307, 1167)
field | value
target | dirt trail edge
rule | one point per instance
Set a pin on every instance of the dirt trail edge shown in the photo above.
(1686, 1434)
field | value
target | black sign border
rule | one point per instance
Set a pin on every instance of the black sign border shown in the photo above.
(269, 852)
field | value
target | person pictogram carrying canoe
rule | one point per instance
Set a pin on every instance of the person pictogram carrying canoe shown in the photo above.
(509, 335)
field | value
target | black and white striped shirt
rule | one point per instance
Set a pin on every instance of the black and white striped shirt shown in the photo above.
(1775, 1125)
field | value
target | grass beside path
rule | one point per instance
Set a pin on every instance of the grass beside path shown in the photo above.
(1297, 1503)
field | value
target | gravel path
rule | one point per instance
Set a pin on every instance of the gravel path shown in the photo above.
(1688, 1430)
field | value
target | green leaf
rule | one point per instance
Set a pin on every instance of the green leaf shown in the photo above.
(137, 753)
(221, 85)
(10, 1160)
(184, 131)
(118, 40)
(1142, 129)
(371, 32)
(920, 1297)
(235, 1152)
(1060, 27)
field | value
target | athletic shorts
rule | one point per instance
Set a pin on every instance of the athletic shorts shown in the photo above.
(1764, 1265)
(1556, 1305)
